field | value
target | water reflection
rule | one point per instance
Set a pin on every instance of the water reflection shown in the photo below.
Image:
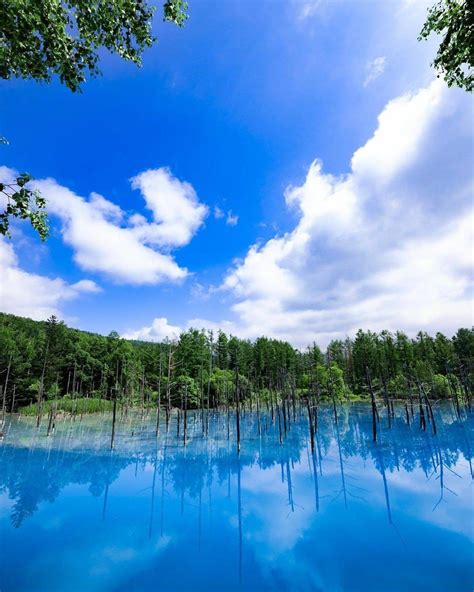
(155, 514)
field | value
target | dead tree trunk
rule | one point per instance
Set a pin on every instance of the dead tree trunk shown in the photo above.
(185, 418)
(114, 417)
(2, 394)
(386, 400)
(465, 386)
(168, 391)
(5, 387)
(258, 417)
(157, 431)
(237, 408)
(311, 425)
(429, 407)
(422, 411)
(374, 405)
(13, 399)
(41, 388)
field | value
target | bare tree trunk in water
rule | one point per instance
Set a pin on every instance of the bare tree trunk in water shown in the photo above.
(430, 409)
(209, 381)
(374, 406)
(284, 415)
(465, 386)
(410, 394)
(13, 399)
(2, 393)
(258, 417)
(237, 408)
(422, 411)
(114, 417)
(168, 391)
(185, 426)
(50, 421)
(279, 423)
(311, 426)
(157, 431)
(5, 387)
(41, 388)
(387, 401)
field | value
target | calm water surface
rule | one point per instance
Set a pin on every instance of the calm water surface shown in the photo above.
(155, 515)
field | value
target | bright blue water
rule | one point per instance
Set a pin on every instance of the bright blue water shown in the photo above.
(155, 515)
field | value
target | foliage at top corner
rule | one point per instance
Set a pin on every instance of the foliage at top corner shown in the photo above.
(42, 38)
(454, 19)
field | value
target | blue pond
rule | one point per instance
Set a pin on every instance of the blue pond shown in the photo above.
(154, 514)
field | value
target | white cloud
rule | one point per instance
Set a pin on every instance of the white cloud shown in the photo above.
(31, 295)
(86, 286)
(218, 213)
(124, 248)
(374, 69)
(403, 127)
(389, 245)
(159, 330)
(100, 244)
(110, 211)
(232, 219)
(176, 209)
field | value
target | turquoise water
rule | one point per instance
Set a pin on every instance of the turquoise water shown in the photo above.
(157, 515)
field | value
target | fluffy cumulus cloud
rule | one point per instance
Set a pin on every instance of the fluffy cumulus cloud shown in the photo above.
(388, 245)
(176, 209)
(124, 247)
(159, 330)
(31, 295)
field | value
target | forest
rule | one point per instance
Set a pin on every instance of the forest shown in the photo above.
(45, 361)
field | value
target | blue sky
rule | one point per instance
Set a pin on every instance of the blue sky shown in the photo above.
(231, 113)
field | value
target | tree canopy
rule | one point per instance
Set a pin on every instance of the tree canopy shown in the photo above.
(57, 361)
(454, 19)
(42, 38)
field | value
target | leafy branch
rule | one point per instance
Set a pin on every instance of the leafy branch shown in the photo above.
(455, 58)
(24, 203)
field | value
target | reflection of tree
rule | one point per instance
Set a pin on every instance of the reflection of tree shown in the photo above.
(33, 475)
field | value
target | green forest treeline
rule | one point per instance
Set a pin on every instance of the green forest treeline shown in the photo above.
(49, 361)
